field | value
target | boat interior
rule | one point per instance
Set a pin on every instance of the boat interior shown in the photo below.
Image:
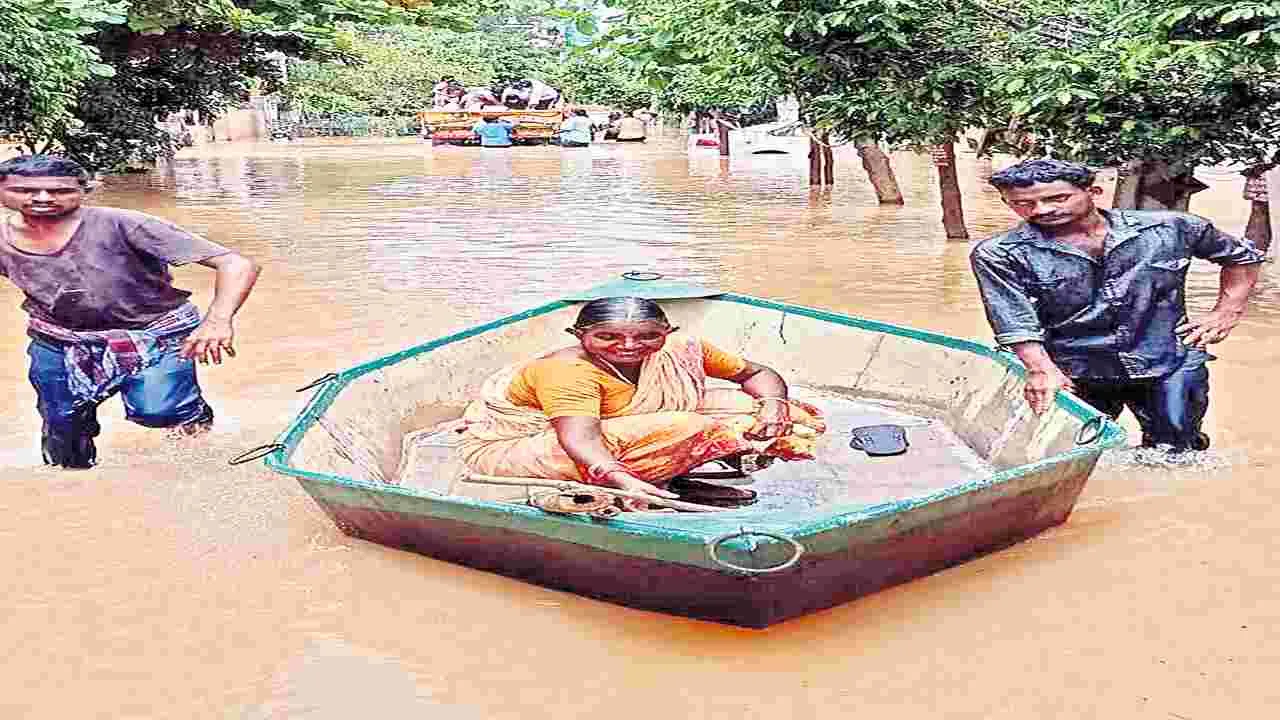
(960, 404)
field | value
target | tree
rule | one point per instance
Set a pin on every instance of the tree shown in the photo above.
(708, 53)
(387, 71)
(44, 63)
(1157, 89)
(595, 77)
(162, 57)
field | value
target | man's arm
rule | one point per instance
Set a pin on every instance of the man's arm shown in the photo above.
(1044, 378)
(1234, 286)
(1241, 263)
(236, 275)
(1013, 317)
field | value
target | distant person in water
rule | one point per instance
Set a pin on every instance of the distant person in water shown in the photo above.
(494, 132)
(576, 131)
(1094, 301)
(632, 128)
(628, 407)
(105, 317)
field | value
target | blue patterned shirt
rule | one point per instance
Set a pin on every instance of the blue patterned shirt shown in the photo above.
(1109, 318)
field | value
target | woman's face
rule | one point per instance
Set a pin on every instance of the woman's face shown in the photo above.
(624, 343)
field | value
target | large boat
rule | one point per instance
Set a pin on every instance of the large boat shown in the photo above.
(533, 127)
(981, 472)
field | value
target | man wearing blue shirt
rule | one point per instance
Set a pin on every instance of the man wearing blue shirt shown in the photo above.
(576, 130)
(1093, 301)
(494, 132)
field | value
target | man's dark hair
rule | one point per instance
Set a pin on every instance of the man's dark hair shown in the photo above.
(44, 166)
(1043, 170)
(580, 112)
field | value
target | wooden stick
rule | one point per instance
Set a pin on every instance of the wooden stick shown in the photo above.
(570, 486)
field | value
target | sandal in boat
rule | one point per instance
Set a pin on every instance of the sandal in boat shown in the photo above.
(734, 467)
(704, 493)
(880, 440)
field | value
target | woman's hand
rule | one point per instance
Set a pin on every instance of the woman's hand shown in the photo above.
(773, 420)
(623, 480)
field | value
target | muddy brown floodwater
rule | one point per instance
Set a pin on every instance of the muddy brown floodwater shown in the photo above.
(166, 584)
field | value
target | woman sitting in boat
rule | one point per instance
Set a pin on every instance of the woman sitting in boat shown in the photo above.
(628, 408)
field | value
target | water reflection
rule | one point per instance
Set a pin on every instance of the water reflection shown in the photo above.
(165, 583)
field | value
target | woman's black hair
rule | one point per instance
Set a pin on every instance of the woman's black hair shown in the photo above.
(620, 309)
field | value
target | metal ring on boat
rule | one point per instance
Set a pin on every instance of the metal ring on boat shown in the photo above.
(713, 546)
(641, 275)
(327, 377)
(255, 453)
(1096, 423)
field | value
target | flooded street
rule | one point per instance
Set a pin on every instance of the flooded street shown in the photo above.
(165, 584)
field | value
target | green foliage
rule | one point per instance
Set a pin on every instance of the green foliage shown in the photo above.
(389, 72)
(392, 71)
(157, 74)
(43, 62)
(703, 54)
(162, 56)
(600, 78)
(1190, 82)
(903, 71)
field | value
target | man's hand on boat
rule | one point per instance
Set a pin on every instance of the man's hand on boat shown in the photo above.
(1044, 378)
(1043, 386)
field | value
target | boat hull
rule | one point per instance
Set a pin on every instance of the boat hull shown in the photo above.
(846, 562)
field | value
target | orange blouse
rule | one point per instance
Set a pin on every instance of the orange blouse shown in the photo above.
(564, 387)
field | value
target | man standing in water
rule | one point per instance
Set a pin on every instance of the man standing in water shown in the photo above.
(104, 315)
(1093, 301)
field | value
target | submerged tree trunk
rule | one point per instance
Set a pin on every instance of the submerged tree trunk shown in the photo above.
(723, 131)
(1155, 185)
(828, 161)
(944, 157)
(821, 161)
(879, 172)
(1257, 192)
(1128, 178)
(984, 167)
(1259, 228)
(815, 162)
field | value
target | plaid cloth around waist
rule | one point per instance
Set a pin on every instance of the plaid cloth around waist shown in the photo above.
(99, 361)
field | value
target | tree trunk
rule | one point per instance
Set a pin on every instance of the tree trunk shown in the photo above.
(1155, 185)
(879, 172)
(985, 167)
(1128, 180)
(944, 157)
(1258, 192)
(722, 128)
(815, 162)
(1259, 228)
(828, 161)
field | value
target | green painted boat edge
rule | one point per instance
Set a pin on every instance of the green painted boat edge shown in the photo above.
(796, 523)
